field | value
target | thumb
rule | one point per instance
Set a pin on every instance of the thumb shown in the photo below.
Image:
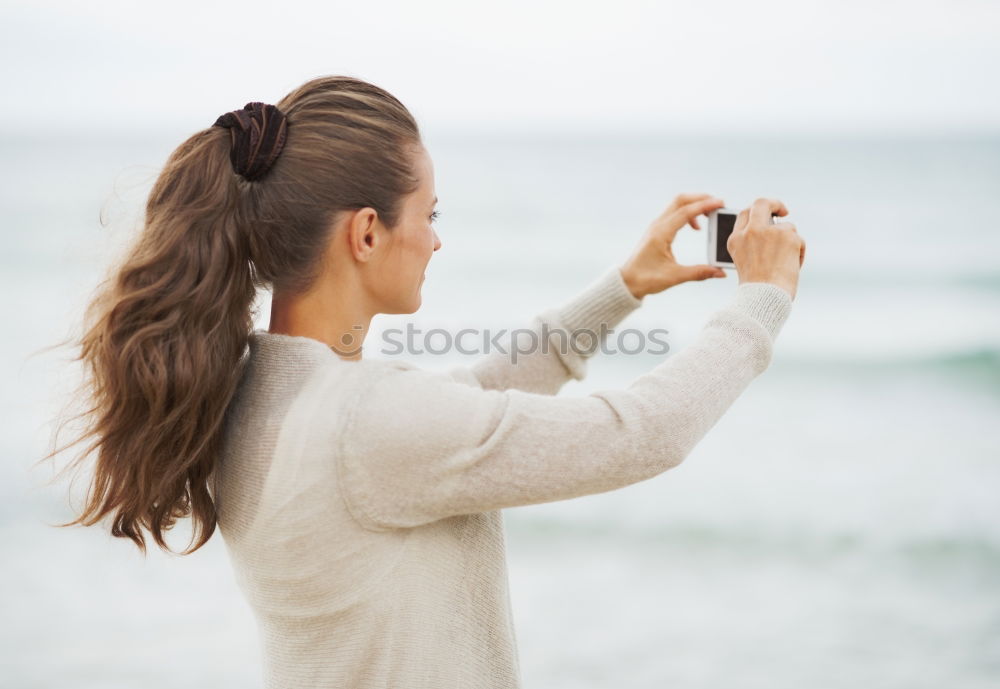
(701, 272)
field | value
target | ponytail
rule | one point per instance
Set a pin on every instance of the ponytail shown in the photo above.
(164, 347)
(165, 338)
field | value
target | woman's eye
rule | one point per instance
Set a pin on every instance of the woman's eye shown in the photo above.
(434, 215)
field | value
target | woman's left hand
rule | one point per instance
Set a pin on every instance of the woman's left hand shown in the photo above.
(652, 267)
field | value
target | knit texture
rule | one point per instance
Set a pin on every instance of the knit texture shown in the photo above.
(360, 501)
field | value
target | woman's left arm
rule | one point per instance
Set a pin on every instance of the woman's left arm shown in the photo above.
(546, 355)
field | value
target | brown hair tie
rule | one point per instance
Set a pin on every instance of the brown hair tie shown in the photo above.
(256, 137)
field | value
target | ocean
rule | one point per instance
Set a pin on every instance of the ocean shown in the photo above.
(838, 527)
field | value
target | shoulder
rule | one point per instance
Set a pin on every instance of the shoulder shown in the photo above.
(391, 387)
(401, 405)
(395, 383)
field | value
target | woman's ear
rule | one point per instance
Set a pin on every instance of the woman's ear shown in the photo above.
(362, 233)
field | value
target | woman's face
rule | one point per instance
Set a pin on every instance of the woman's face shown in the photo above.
(410, 244)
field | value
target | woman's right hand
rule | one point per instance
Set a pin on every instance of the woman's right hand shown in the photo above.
(766, 252)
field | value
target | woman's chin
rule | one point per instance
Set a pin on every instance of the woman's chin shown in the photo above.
(408, 304)
(415, 303)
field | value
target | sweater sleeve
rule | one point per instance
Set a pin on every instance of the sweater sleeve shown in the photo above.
(544, 356)
(419, 446)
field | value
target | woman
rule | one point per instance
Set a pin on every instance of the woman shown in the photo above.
(359, 499)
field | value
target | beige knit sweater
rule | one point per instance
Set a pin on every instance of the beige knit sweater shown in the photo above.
(359, 500)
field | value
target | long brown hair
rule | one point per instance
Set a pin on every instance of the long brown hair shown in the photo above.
(165, 335)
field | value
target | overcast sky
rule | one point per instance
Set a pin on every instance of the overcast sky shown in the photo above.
(737, 66)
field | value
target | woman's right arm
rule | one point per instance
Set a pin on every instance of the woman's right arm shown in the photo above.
(419, 446)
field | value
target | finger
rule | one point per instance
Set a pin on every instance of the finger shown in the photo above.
(742, 220)
(761, 210)
(690, 211)
(701, 272)
(683, 200)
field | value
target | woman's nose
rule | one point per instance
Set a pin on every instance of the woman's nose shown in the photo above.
(437, 241)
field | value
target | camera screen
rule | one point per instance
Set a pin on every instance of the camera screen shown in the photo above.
(724, 227)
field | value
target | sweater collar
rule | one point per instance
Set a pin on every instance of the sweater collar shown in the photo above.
(279, 349)
(278, 345)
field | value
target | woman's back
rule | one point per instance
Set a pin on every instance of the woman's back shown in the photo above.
(337, 604)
